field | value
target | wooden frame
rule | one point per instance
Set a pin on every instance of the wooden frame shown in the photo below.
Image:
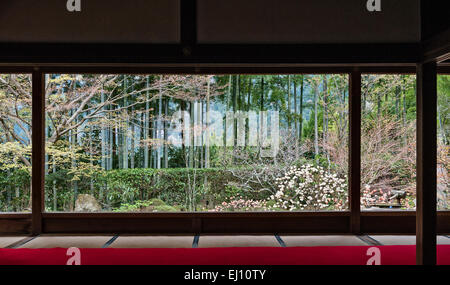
(354, 151)
(190, 57)
(38, 150)
(348, 222)
(393, 223)
(426, 163)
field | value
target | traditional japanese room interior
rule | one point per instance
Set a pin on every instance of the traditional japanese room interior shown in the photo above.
(256, 132)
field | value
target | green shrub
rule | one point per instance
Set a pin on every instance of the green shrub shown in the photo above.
(164, 208)
(152, 205)
(156, 202)
(124, 187)
(132, 189)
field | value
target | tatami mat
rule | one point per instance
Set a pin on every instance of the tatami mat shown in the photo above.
(395, 240)
(143, 241)
(443, 240)
(6, 241)
(322, 240)
(404, 240)
(153, 242)
(238, 241)
(67, 241)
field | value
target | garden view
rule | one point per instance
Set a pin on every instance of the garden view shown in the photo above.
(215, 143)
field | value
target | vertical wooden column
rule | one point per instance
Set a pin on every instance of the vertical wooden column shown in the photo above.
(354, 167)
(426, 164)
(38, 150)
(188, 25)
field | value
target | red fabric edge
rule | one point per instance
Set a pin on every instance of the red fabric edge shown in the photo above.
(326, 255)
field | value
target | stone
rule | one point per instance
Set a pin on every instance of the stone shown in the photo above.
(87, 203)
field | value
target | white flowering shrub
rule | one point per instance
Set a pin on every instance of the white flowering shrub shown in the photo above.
(240, 204)
(310, 187)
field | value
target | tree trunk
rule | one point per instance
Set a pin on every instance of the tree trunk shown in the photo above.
(55, 197)
(74, 164)
(247, 125)
(91, 161)
(234, 100)
(378, 106)
(301, 109)
(295, 109)
(316, 128)
(227, 108)
(441, 127)
(207, 125)
(183, 134)
(154, 137)
(125, 129)
(261, 109)
(166, 135)
(103, 134)
(146, 123)
(72, 142)
(405, 136)
(159, 127)
(198, 136)
(289, 103)
(116, 143)
(8, 193)
(111, 144)
(364, 99)
(325, 119)
(132, 138)
(397, 102)
(191, 134)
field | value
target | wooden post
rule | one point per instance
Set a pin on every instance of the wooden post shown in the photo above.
(188, 27)
(426, 164)
(38, 150)
(354, 169)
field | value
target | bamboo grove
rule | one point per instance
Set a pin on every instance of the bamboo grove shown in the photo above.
(214, 142)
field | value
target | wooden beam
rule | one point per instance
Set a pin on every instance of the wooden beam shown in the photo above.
(189, 53)
(188, 24)
(426, 163)
(225, 69)
(437, 48)
(443, 68)
(15, 225)
(354, 168)
(217, 224)
(384, 222)
(38, 150)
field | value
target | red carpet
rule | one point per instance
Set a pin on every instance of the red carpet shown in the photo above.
(338, 255)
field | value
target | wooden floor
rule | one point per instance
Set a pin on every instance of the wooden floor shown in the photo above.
(153, 241)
